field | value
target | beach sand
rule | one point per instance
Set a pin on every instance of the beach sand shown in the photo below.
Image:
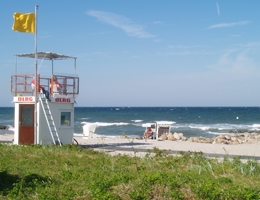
(132, 146)
(129, 146)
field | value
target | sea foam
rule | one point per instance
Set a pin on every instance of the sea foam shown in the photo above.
(137, 120)
(166, 122)
(107, 123)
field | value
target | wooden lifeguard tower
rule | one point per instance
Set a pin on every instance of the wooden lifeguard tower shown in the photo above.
(38, 120)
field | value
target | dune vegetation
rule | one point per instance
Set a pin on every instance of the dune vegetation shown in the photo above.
(72, 172)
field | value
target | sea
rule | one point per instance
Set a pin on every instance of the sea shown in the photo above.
(191, 121)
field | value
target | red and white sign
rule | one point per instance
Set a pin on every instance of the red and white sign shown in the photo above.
(63, 100)
(22, 99)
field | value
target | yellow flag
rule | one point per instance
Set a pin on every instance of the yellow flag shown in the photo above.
(24, 22)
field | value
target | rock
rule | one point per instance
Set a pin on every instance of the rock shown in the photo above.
(228, 137)
(239, 141)
(202, 138)
(163, 137)
(181, 135)
(235, 142)
(171, 137)
(218, 141)
(227, 142)
(196, 139)
(4, 127)
(209, 140)
(176, 136)
(221, 137)
(232, 139)
(247, 134)
(221, 141)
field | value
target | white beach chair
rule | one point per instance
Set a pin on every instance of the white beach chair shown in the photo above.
(89, 130)
(162, 129)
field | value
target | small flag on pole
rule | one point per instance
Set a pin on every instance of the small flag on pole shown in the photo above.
(24, 22)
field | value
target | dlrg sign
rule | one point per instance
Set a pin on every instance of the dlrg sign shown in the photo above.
(64, 100)
(25, 98)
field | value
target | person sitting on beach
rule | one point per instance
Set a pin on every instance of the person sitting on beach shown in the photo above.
(149, 133)
(40, 89)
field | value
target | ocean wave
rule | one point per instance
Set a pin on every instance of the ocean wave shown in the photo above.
(107, 124)
(137, 124)
(204, 128)
(216, 133)
(166, 122)
(137, 120)
(111, 124)
(11, 128)
(83, 118)
(220, 127)
(256, 126)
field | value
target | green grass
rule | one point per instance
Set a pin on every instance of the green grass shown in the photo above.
(71, 172)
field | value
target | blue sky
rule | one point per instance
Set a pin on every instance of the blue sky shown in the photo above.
(143, 52)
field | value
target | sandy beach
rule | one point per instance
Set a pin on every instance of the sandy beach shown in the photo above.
(132, 146)
(129, 146)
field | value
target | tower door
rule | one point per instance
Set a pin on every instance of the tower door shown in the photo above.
(26, 124)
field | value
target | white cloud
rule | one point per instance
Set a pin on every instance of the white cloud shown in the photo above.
(218, 9)
(224, 25)
(122, 23)
(235, 63)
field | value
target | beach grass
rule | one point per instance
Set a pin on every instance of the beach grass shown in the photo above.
(72, 172)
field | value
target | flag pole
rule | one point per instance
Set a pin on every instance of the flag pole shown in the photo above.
(35, 80)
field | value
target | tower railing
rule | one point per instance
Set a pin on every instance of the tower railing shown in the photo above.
(21, 85)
